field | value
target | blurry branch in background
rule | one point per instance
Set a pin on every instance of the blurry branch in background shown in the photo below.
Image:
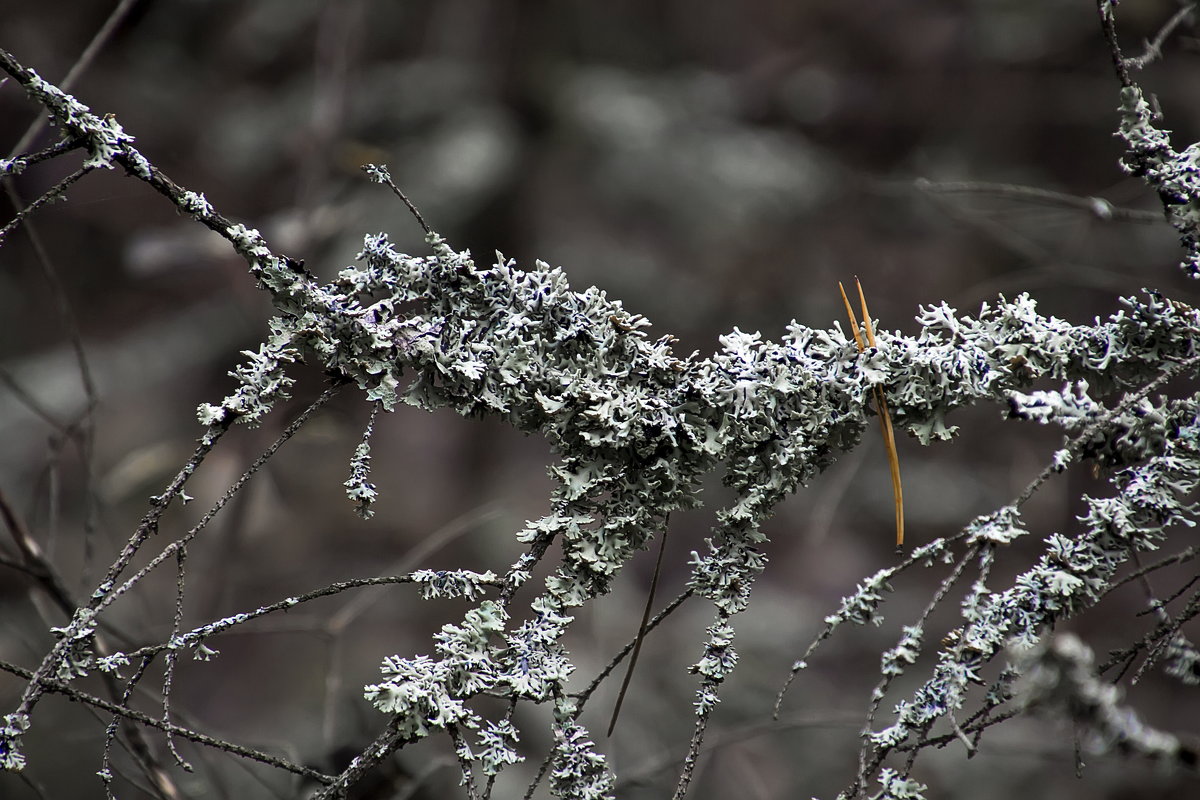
(989, 210)
(1153, 51)
(33, 561)
(97, 43)
(1058, 680)
(1097, 207)
(636, 430)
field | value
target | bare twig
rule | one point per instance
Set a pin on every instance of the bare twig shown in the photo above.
(55, 686)
(380, 174)
(1097, 207)
(1154, 46)
(49, 196)
(641, 634)
(33, 560)
(384, 745)
(1108, 24)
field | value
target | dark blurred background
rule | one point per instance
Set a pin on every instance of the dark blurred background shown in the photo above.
(712, 165)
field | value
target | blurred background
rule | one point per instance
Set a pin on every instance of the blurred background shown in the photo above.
(712, 165)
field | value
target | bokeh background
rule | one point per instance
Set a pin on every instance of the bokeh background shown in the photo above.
(712, 165)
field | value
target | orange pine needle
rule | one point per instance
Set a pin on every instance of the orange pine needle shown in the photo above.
(889, 439)
(853, 319)
(885, 418)
(866, 314)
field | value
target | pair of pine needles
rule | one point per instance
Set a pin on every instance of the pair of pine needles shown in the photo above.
(885, 418)
(864, 338)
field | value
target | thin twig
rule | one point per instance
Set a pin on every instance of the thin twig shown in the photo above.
(582, 697)
(693, 752)
(881, 689)
(114, 725)
(55, 686)
(1153, 49)
(464, 763)
(381, 174)
(832, 623)
(641, 634)
(386, 743)
(732, 736)
(172, 656)
(34, 562)
(1108, 24)
(1178, 558)
(106, 592)
(171, 549)
(31, 402)
(19, 163)
(199, 635)
(51, 194)
(1098, 207)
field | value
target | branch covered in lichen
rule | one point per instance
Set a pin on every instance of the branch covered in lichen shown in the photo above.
(636, 428)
